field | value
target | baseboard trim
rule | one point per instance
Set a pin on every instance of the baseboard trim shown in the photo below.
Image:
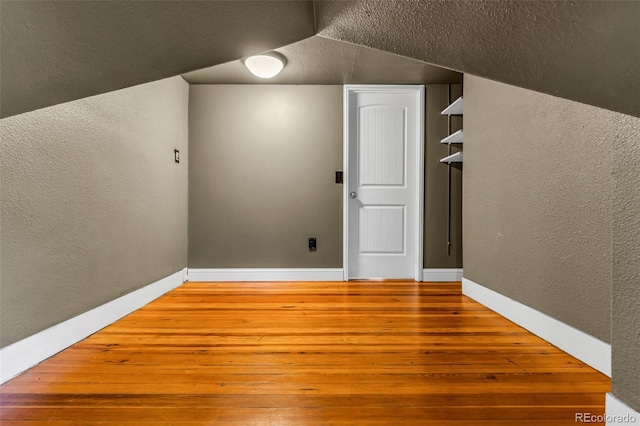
(26, 353)
(588, 349)
(267, 274)
(619, 413)
(441, 274)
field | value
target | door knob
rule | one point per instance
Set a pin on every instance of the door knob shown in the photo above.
(353, 195)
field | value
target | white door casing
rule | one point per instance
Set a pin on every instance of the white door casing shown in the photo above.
(383, 181)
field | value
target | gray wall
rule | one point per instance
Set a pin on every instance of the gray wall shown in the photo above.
(92, 204)
(261, 177)
(538, 201)
(626, 259)
(435, 220)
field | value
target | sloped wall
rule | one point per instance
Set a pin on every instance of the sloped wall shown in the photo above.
(93, 205)
(538, 201)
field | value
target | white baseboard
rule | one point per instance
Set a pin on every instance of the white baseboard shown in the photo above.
(619, 413)
(24, 354)
(267, 274)
(441, 274)
(588, 349)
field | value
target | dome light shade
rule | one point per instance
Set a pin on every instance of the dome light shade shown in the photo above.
(264, 66)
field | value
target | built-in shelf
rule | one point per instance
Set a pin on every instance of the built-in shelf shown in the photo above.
(453, 158)
(453, 138)
(454, 109)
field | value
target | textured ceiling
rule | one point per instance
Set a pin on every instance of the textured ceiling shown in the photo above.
(57, 51)
(588, 51)
(319, 60)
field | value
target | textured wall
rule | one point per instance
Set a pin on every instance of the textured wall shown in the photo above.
(626, 260)
(92, 204)
(435, 221)
(58, 51)
(261, 178)
(581, 50)
(538, 201)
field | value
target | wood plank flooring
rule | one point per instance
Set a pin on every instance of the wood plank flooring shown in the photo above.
(328, 353)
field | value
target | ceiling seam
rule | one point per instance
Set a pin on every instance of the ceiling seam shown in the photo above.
(315, 17)
(353, 67)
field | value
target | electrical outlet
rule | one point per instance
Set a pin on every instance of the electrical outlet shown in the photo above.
(312, 244)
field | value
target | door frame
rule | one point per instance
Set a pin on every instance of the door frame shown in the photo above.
(419, 226)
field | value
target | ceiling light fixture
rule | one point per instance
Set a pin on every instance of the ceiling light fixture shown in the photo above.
(267, 65)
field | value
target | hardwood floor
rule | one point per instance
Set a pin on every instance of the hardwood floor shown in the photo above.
(387, 353)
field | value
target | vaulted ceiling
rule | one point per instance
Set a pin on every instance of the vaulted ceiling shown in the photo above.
(319, 60)
(57, 51)
(587, 51)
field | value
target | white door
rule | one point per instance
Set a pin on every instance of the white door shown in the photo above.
(384, 128)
